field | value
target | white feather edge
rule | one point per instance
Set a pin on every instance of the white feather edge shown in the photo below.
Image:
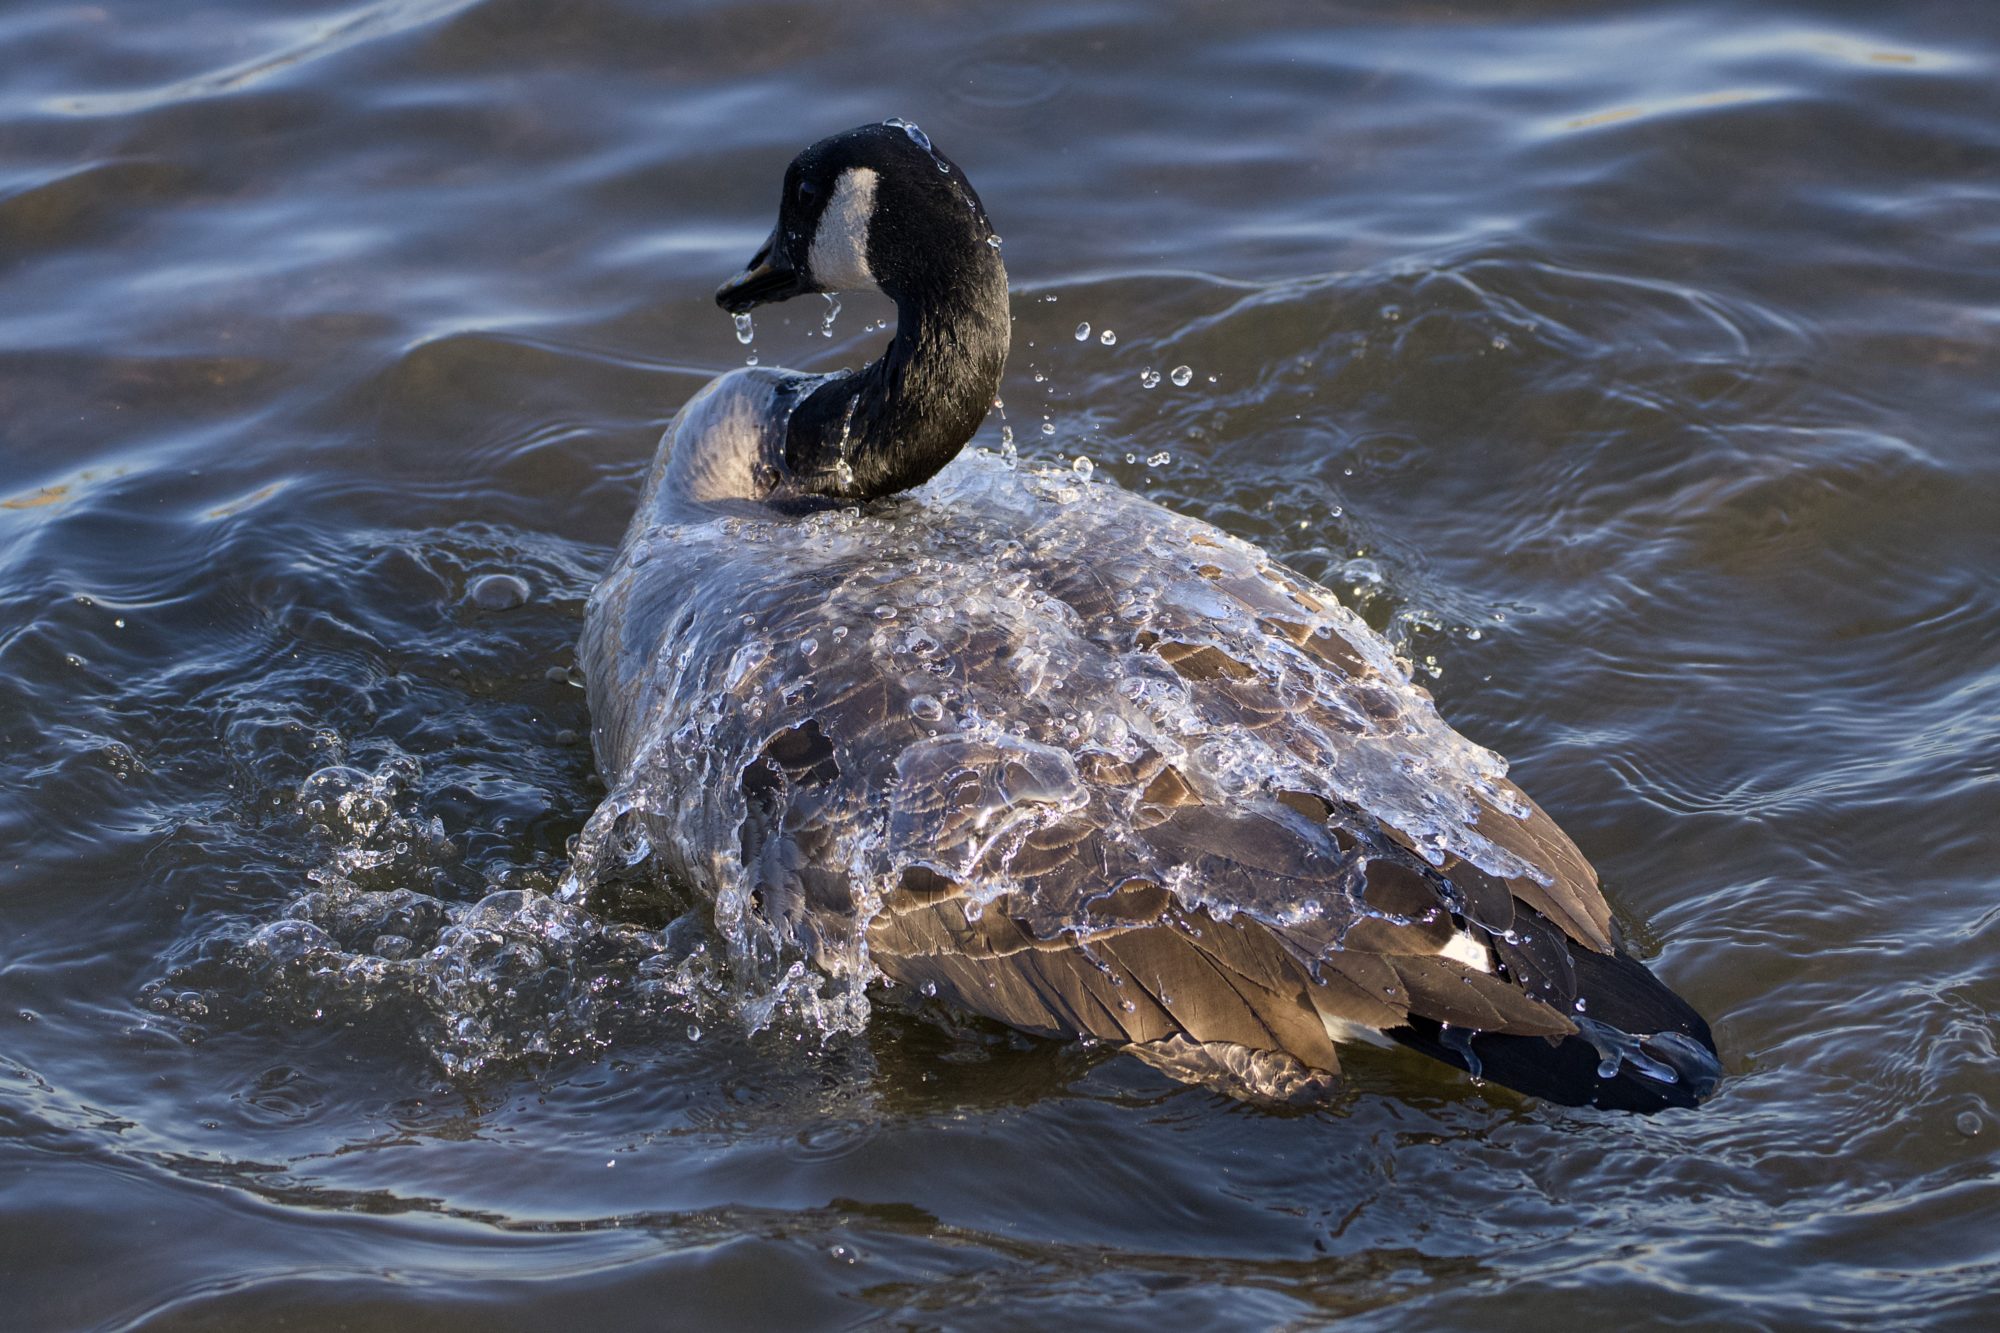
(1463, 948)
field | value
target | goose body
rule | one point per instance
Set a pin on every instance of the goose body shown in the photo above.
(1051, 752)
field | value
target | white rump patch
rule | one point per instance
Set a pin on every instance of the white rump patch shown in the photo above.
(1464, 948)
(839, 255)
(1339, 1030)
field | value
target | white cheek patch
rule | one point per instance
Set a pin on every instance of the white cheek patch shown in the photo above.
(839, 255)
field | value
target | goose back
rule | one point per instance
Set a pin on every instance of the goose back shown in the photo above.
(1068, 759)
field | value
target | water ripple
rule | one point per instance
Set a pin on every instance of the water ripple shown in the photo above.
(1633, 368)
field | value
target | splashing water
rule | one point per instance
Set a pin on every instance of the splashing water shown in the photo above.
(729, 727)
(917, 136)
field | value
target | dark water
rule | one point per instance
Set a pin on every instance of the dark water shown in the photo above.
(1636, 367)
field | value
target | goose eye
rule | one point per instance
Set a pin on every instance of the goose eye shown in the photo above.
(807, 192)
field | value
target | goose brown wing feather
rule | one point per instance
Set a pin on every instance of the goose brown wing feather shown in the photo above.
(1271, 599)
(1572, 899)
(1145, 982)
(1236, 983)
(1370, 958)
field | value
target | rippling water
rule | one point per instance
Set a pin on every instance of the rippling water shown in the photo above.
(1634, 366)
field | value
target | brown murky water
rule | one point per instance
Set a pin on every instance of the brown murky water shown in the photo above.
(1636, 367)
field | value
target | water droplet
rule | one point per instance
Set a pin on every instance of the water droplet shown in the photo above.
(694, 1032)
(1083, 332)
(1040, 377)
(1392, 313)
(885, 612)
(1967, 1123)
(926, 707)
(993, 241)
(494, 592)
(1500, 343)
(1083, 467)
(1108, 338)
(1160, 459)
(1212, 379)
(917, 136)
(1182, 375)
(1048, 428)
(808, 646)
(1150, 378)
(750, 360)
(832, 313)
(745, 330)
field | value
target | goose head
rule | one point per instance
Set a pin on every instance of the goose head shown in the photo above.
(877, 208)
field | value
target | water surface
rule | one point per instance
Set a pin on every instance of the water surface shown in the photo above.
(1634, 367)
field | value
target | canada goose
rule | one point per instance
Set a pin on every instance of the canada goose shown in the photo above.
(1050, 752)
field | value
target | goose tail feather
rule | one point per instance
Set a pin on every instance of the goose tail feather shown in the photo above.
(1638, 1046)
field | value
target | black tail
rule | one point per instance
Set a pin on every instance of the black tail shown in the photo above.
(1639, 1046)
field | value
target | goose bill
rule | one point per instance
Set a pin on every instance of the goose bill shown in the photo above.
(769, 278)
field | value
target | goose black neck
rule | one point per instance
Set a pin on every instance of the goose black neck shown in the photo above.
(895, 422)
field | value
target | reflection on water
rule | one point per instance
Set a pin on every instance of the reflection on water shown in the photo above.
(1632, 370)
